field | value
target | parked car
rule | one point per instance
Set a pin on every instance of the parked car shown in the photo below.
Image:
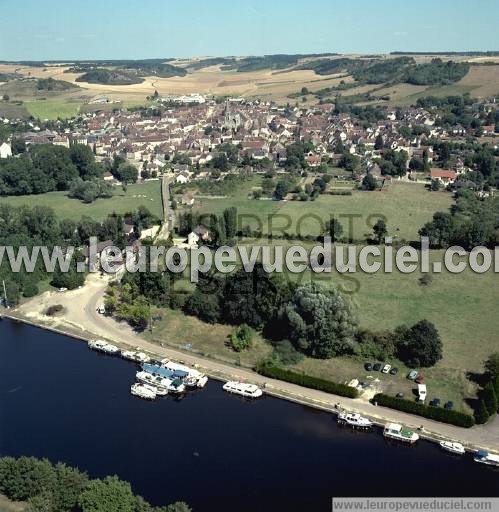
(413, 375)
(394, 371)
(422, 392)
(419, 379)
(449, 405)
(435, 402)
(368, 367)
(377, 367)
(386, 368)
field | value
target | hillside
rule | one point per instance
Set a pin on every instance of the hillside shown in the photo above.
(109, 77)
(308, 79)
(50, 84)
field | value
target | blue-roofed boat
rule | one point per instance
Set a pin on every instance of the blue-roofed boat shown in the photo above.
(487, 458)
(164, 372)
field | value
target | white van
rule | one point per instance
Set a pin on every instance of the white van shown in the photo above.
(422, 392)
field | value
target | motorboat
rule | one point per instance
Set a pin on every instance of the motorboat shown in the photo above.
(354, 420)
(243, 389)
(452, 447)
(143, 391)
(160, 383)
(400, 433)
(137, 357)
(484, 457)
(103, 346)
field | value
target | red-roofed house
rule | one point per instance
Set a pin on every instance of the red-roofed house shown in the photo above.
(443, 175)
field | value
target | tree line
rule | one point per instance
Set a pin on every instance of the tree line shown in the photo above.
(61, 488)
(471, 222)
(39, 226)
(309, 319)
(46, 168)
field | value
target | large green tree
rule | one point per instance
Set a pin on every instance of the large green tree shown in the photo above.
(108, 495)
(420, 345)
(321, 321)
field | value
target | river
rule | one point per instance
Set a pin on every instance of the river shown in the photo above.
(215, 451)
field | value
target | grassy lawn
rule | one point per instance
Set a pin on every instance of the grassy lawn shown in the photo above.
(52, 109)
(179, 330)
(461, 306)
(405, 206)
(147, 194)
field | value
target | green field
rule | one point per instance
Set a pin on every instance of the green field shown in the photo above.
(178, 330)
(145, 194)
(405, 206)
(446, 90)
(53, 109)
(461, 306)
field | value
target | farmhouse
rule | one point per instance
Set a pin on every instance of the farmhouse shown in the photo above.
(197, 234)
(183, 178)
(443, 175)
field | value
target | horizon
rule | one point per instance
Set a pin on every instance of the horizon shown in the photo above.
(60, 32)
(208, 56)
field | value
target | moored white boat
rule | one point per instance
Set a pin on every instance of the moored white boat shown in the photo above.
(243, 389)
(193, 381)
(202, 381)
(354, 420)
(177, 386)
(133, 355)
(192, 377)
(451, 447)
(484, 457)
(143, 391)
(103, 346)
(400, 433)
(160, 383)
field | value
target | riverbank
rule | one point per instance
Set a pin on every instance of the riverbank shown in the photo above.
(480, 437)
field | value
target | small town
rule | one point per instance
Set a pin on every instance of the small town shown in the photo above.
(182, 137)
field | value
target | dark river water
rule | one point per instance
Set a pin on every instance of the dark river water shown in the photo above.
(215, 451)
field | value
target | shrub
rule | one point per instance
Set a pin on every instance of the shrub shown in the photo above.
(340, 192)
(286, 353)
(488, 395)
(307, 381)
(481, 413)
(30, 290)
(241, 338)
(54, 310)
(457, 418)
(425, 280)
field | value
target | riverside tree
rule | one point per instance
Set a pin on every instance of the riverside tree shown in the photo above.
(321, 321)
(108, 494)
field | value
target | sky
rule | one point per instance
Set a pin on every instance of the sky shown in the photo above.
(135, 29)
